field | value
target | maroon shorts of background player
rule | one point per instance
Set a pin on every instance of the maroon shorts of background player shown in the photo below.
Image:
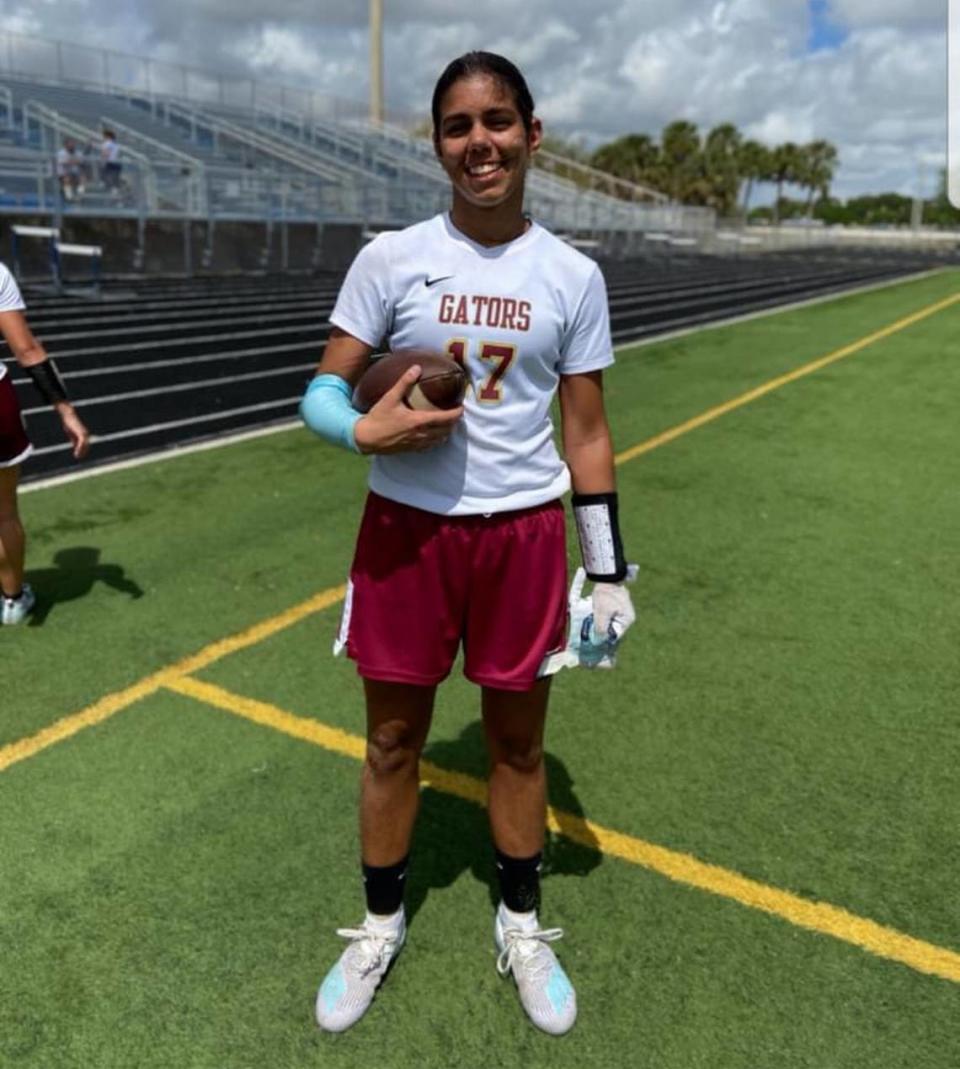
(14, 443)
(420, 581)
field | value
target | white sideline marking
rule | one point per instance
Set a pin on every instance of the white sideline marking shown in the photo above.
(179, 451)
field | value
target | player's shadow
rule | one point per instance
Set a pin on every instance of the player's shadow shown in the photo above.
(74, 573)
(453, 835)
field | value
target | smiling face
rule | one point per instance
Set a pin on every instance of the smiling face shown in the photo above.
(483, 145)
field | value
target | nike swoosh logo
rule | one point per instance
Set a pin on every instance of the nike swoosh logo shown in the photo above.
(434, 281)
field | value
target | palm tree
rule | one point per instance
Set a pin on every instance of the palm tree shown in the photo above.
(785, 167)
(721, 162)
(755, 165)
(681, 154)
(820, 160)
(635, 157)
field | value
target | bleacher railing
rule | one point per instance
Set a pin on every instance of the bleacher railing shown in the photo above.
(591, 178)
(66, 63)
(569, 194)
(318, 155)
(6, 108)
(190, 168)
(51, 130)
(362, 156)
(219, 129)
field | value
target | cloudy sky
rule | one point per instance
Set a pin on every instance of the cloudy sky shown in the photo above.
(868, 75)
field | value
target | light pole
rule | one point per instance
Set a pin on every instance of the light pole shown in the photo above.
(376, 61)
(916, 208)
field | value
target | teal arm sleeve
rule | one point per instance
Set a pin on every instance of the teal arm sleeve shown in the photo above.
(327, 411)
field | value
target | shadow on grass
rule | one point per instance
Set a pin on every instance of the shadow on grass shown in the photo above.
(453, 836)
(73, 576)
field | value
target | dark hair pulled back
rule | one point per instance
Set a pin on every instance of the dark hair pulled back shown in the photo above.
(500, 68)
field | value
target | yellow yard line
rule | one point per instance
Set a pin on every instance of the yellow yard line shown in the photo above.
(270, 716)
(774, 384)
(114, 703)
(816, 916)
(70, 725)
(261, 631)
(682, 868)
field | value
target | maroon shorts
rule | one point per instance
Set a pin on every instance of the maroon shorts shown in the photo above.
(421, 584)
(14, 443)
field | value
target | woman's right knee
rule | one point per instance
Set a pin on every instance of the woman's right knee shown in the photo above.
(392, 749)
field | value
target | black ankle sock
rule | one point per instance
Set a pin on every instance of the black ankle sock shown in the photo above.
(519, 881)
(384, 886)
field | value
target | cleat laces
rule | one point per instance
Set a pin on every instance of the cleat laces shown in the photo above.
(368, 949)
(523, 949)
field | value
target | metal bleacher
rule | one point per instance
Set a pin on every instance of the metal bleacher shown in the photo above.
(196, 147)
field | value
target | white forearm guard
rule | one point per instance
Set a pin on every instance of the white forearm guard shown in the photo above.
(598, 529)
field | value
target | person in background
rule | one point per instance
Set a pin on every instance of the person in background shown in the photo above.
(110, 163)
(16, 597)
(70, 170)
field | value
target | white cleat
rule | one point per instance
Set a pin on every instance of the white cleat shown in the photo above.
(14, 610)
(348, 988)
(544, 988)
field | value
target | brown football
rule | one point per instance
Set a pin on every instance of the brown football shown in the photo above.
(441, 385)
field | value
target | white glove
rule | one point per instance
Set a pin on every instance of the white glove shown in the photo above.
(613, 609)
(587, 645)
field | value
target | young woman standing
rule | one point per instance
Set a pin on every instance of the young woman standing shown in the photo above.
(16, 597)
(462, 539)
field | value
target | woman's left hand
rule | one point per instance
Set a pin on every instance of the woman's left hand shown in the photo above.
(613, 610)
(74, 429)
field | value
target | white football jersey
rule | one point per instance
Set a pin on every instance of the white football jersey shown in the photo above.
(517, 316)
(10, 300)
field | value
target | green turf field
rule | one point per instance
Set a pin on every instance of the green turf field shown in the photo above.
(757, 863)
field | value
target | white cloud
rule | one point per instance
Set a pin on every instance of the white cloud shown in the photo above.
(778, 126)
(597, 70)
(274, 49)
